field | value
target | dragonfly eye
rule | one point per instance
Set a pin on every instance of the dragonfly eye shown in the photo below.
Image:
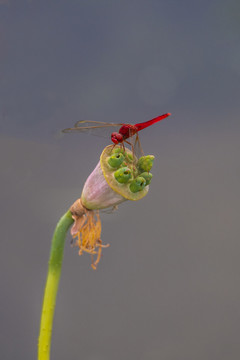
(116, 138)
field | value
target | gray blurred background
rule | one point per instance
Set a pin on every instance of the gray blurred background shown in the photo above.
(168, 286)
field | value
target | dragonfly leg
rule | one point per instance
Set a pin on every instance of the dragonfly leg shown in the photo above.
(128, 142)
(113, 146)
(132, 147)
(122, 146)
(133, 154)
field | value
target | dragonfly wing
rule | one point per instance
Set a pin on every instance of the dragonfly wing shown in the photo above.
(138, 150)
(93, 127)
(90, 123)
(136, 145)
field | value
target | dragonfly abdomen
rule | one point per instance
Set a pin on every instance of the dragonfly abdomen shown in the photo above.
(145, 124)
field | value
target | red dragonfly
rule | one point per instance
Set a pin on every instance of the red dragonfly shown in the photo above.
(126, 131)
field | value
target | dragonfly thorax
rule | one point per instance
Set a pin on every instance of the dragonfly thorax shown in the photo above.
(127, 130)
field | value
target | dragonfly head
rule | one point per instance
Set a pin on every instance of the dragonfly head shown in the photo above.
(116, 138)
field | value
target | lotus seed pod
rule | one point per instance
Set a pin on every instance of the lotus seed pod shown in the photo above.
(116, 160)
(145, 163)
(137, 184)
(147, 176)
(102, 188)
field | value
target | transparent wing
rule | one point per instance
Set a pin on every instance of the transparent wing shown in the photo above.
(135, 144)
(138, 150)
(97, 128)
(90, 123)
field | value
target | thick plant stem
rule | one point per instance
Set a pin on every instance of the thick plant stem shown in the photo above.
(51, 288)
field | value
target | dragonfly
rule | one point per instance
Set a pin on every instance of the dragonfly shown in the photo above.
(126, 131)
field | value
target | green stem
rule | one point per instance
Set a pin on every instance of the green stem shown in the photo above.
(51, 288)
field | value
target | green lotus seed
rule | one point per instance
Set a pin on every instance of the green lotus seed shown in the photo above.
(145, 163)
(137, 184)
(123, 175)
(147, 176)
(116, 160)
